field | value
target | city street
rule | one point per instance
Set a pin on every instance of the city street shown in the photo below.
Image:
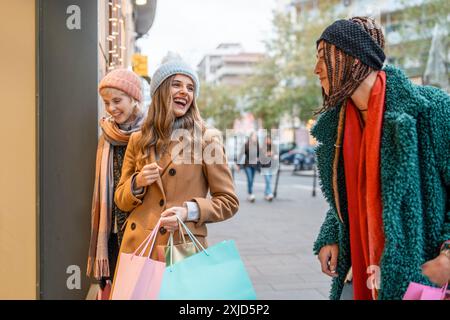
(275, 239)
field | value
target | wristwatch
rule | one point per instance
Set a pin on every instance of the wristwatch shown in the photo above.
(445, 249)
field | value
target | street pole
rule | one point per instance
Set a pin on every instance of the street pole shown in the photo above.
(314, 181)
(235, 156)
(232, 171)
(276, 182)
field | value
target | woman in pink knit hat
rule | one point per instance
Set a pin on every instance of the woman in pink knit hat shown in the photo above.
(121, 93)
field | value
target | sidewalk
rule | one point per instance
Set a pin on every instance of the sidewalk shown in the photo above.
(275, 239)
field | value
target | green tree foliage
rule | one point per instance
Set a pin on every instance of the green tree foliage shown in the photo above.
(413, 26)
(285, 83)
(219, 104)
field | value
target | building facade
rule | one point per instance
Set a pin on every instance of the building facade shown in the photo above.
(228, 64)
(409, 28)
(55, 55)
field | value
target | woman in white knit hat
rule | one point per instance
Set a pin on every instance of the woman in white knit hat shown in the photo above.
(121, 93)
(155, 184)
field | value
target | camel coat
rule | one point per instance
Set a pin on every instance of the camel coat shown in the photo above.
(178, 183)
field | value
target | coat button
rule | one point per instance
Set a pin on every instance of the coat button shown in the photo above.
(161, 202)
(133, 226)
(172, 172)
(162, 230)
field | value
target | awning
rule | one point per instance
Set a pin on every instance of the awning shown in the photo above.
(144, 16)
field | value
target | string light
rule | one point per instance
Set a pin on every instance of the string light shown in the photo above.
(116, 21)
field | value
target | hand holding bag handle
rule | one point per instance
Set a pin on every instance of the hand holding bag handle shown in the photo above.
(180, 236)
(191, 236)
(194, 240)
(177, 252)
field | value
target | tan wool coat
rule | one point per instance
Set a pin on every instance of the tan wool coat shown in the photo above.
(178, 182)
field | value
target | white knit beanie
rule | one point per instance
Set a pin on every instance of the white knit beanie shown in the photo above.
(170, 68)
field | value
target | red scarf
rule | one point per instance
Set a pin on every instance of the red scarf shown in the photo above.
(362, 178)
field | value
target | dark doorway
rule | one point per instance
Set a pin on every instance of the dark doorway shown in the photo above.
(67, 122)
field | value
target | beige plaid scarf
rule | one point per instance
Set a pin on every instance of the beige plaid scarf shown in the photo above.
(103, 195)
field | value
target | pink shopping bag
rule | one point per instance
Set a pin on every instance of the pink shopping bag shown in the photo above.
(417, 291)
(96, 293)
(139, 277)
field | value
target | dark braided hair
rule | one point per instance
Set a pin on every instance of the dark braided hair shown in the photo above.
(345, 73)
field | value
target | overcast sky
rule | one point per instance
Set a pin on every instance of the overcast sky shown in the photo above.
(192, 28)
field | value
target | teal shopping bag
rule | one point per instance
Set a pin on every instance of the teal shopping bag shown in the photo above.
(216, 273)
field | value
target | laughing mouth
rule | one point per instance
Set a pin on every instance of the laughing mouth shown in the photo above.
(180, 102)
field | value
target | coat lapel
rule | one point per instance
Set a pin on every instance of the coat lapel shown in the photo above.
(164, 162)
(400, 167)
(325, 131)
(159, 180)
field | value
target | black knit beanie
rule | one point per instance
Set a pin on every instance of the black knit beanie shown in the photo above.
(354, 41)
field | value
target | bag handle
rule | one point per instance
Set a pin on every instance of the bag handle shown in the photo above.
(144, 245)
(170, 242)
(192, 237)
(194, 240)
(181, 233)
(444, 290)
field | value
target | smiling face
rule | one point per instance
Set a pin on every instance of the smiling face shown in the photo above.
(321, 69)
(118, 104)
(182, 94)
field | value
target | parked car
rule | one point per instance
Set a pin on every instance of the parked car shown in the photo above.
(304, 160)
(286, 147)
(302, 157)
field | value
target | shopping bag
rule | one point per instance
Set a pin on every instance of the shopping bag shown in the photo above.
(217, 273)
(173, 253)
(417, 291)
(97, 293)
(138, 277)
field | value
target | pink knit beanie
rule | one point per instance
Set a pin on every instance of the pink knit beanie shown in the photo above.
(124, 80)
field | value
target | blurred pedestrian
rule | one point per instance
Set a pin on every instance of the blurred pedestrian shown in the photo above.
(384, 162)
(268, 165)
(249, 160)
(121, 93)
(154, 185)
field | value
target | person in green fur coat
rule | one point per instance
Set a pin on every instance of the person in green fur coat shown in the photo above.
(404, 221)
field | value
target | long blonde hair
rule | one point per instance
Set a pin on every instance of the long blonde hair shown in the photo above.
(160, 122)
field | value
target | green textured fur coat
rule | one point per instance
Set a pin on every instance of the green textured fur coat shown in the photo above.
(415, 184)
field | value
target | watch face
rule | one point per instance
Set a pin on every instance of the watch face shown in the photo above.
(447, 252)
